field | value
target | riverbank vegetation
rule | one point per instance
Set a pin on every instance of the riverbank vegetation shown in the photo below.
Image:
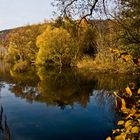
(62, 43)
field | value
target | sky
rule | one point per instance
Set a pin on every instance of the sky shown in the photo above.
(15, 13)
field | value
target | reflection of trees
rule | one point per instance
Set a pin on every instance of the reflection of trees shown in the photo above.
(25, 79)
(4, 129)
(108, 81)
(4, 71)
(64, 88)
(4, 67)
(1, 86)
(24, 85)
(104, 99)
(112, 82)
(55, 88)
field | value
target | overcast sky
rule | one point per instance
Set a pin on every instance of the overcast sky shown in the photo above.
(14, 13)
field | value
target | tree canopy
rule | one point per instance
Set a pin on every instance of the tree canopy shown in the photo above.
(56, 46)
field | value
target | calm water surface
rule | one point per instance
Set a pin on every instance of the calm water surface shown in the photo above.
(54, 105)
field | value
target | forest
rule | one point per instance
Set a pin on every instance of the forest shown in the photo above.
(101, 45)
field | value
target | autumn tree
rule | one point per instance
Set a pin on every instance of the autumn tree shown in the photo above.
(56, 46)
(22, 43)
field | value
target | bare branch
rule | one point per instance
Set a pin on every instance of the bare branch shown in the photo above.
(91, 11)
(65, 9)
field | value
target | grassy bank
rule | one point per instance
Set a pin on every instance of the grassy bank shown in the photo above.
(107, 64)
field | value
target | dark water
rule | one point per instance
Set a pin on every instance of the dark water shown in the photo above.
(54, 105)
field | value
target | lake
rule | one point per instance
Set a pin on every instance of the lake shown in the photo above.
(51, 104)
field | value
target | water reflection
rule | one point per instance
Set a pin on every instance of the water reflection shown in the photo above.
(24, 85)
(65, 87)
(59, 88)
(4, 72)
(83, 103)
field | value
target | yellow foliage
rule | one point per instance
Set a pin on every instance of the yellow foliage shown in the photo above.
(128, 123)
(114, 51)
(123, 104)
(128, 91)
(128, 129)
(116, 94)
(11, 73)
(131, 112)
(139, 91)
(56, 46)
(135, 129)
(122, 136)
(108, 138)
(120, 122)
(127, 57)
(131, 119)
(115, 131)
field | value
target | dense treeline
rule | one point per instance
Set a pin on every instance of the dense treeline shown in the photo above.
(59, 42)
(63, 42)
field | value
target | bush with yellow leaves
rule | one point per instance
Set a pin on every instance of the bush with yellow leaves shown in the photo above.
(128, 103)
